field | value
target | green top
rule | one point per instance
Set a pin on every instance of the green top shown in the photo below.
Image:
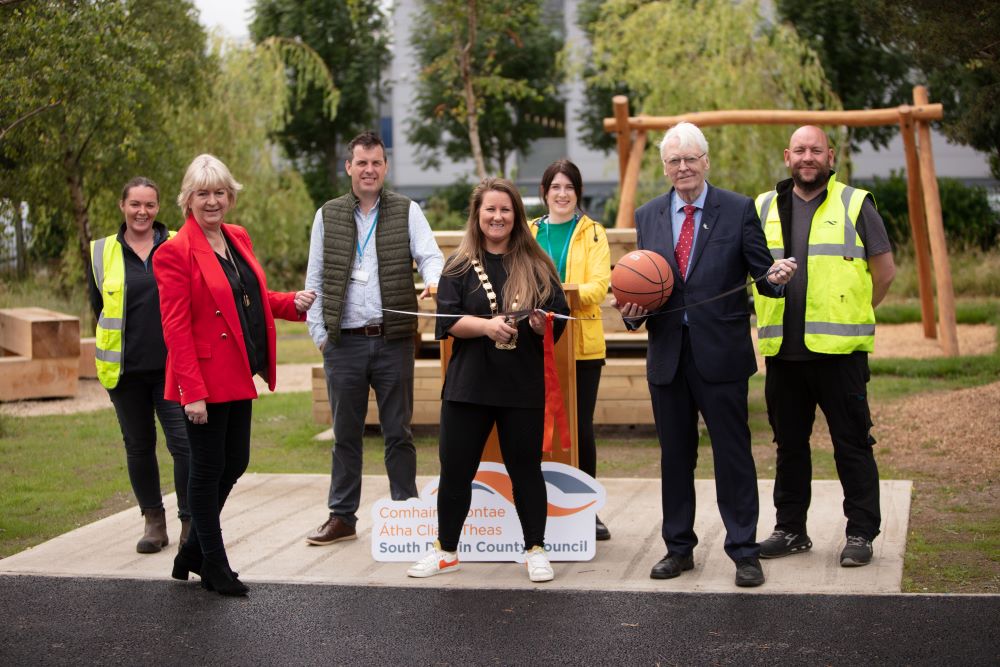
(554, 239)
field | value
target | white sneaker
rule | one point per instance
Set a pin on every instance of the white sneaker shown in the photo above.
(539, 568)
(437, 561)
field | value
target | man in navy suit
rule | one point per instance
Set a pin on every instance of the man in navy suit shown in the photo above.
(700, 359)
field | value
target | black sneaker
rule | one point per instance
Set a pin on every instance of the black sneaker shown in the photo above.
(782, 543)
(858, 552)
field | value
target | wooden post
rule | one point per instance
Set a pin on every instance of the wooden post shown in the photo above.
(935, 228)
(626, 202)
(918, 222)
(620, 104)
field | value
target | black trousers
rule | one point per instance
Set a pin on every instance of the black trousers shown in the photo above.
(588, 379)
(220, 453)
(837, 384)
(465, 428)
(724, 408)
(138, 400)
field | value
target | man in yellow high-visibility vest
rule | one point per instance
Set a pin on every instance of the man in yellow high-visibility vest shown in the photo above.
(816, 341)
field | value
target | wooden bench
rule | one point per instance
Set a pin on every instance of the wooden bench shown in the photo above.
(39, 354)
(623, 397)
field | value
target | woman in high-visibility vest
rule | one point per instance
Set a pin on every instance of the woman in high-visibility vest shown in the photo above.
(131, 359)
(579, 248)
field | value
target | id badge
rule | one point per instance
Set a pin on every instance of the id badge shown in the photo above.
(359, 276)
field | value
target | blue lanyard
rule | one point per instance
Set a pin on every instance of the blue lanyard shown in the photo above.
(561, 264)
(361, 248)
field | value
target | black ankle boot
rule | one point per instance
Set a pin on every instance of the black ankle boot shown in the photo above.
(220, 578)
(186, 561)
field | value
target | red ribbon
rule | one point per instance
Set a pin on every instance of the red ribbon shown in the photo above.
(555, 410)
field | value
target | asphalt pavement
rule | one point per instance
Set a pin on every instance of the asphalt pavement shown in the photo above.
(73, 621)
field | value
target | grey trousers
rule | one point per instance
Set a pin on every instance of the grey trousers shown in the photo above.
(352, 365)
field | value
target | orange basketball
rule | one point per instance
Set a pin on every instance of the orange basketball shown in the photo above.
(644, 278)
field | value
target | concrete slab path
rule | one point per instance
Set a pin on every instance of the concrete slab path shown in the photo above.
(268, 515)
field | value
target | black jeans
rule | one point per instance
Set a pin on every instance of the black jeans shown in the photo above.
(837, 384)
(465, 428)
(588, 379)
(136, 398)
(220, 453)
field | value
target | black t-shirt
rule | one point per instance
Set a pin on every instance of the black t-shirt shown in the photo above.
(243, 280)
(871, 231)
(479, 372)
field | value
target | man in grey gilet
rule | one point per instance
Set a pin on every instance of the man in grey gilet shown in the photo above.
(361, 256)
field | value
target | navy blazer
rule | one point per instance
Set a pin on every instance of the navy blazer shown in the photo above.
(730, 246)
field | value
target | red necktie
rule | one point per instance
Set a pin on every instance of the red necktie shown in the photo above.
(682, 251)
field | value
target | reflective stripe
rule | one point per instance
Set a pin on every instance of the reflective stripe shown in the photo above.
(110, 323)
(113, 356)
(831, 329)
(835, 250)
(850, 232)
(770, 331)
(98, 261)
(778, 253)
(765, 207)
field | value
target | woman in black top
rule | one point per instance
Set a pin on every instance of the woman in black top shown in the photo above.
(496, 372)
(131, 359)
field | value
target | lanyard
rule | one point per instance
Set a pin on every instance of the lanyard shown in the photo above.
(361, 248)
(561, 263)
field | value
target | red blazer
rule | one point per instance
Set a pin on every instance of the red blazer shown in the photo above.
(206, 353)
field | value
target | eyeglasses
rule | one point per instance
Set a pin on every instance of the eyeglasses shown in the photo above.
(676, 162)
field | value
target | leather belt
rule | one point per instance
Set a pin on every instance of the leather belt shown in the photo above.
(369, 330)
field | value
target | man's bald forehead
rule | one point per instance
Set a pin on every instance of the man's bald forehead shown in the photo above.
(809, 134)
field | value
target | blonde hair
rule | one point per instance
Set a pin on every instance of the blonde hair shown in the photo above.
(530, 272)
(206, 172)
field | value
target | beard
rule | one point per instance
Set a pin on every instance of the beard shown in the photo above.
(817, 182)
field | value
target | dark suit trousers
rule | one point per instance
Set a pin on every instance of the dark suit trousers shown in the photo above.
(724, 407)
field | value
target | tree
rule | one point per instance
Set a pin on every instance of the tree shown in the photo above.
(101, 75)
(957, 49)
(488, 76)
(864, 71)
(249, 104)
(680, 56)
(352, 39)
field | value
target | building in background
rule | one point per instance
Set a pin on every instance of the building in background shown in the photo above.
(600, 170)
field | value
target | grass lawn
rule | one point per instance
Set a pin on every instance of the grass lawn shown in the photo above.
(57, 473)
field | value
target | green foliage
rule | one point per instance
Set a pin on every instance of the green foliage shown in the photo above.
(957, 50)
(448, 207)
(351, 36)
(969, 222)
(513, 76)
(250, 102)
(721, 55)
(862, 70)
(114, 71)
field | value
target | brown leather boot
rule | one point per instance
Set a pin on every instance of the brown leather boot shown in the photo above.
(185, 529)
(155, 536)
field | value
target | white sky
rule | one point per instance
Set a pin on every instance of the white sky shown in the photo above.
(231, 16)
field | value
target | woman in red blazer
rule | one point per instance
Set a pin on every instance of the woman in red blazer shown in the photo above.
(218, 324)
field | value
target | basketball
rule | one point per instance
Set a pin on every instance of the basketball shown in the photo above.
(644, 278)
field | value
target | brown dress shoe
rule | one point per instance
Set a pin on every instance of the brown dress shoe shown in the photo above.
(334, 530)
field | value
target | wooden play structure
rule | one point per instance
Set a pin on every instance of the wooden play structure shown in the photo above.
(923, 199)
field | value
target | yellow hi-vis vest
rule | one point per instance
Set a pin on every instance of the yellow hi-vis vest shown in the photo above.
(839, 314)
(108, 264)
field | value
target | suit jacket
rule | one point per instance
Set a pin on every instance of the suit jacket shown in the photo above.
(206, 352)
(730, 246)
